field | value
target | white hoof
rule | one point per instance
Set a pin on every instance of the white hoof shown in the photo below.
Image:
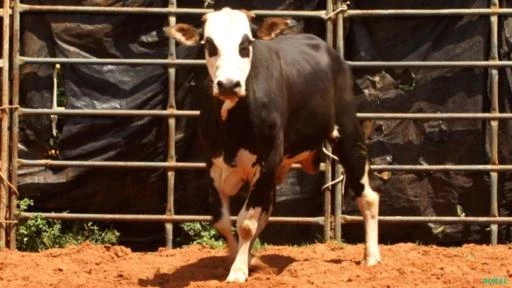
(237, 276)
(373, 259)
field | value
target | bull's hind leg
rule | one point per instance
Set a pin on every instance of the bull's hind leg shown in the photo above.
(368, 204)
(353, 156)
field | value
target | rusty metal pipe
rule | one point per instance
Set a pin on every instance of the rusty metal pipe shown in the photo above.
(195, 113)
(196, 62)
(435, 116)
(428, 64)
(426, 12)
(110, 164)
(493, 136)
(191, 165)
(431, 219)
(345, 219)
(339, 187)
(111, 61)
(158, 218)
(327, 191)
(14, 120)
(155, 10)
(5, 117)
(109, 113)
(171, 144)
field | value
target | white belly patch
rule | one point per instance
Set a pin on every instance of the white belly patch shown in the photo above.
(228, 179)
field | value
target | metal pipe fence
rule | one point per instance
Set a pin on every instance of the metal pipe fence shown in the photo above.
(334, 33)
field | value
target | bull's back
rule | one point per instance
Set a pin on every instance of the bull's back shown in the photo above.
(310, 71)
(310, 65)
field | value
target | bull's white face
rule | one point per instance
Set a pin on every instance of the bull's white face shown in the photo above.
(228, 52)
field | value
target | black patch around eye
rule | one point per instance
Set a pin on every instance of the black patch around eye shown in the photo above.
(244, 46)
(210, 47)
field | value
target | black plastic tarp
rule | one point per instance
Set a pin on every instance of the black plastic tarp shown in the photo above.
(142, 191)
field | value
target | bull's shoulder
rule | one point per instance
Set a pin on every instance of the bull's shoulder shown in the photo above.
(300, 42)
(305, 49)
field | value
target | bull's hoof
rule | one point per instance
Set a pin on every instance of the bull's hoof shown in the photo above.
(373, 260)
(237, 276)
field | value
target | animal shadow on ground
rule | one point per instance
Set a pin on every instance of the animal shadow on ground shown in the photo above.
(213, 268)
(346, 261)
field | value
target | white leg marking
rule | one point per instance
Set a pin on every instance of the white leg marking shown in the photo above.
(227, 179)
(247, 226)
(368, 204)
(224, 227)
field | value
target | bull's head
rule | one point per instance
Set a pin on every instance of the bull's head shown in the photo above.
(227, 40)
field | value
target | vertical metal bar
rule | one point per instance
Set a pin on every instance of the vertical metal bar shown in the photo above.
(494, 123)
(55, 118)
(327, 195)
(328, 163)
(340, 41)
(5, 115)
(339, 188)
(171, 152)
(15, 119)
(338, 201)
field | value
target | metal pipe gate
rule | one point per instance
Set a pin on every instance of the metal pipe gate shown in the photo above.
(335, 13)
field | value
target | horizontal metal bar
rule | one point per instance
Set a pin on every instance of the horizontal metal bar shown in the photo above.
(111, 61)
(426, 12)
(434, 116)
(110, 112)
(345, 219)
(122, 164)
(184, 165)
(429, 64)
(443, 168)
(158, 10)
(197, 62)
(159, 218)
(110, 164)
(195, 113)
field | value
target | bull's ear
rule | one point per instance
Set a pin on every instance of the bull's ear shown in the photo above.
(185, 34)
(271, 27)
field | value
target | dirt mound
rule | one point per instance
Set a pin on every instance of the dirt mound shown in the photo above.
(319, 265)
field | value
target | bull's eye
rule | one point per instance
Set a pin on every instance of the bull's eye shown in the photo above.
(244, 46)
(210, 47)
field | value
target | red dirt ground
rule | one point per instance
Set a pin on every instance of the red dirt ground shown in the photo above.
(318, 265)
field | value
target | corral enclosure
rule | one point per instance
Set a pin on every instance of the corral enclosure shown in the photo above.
(431, 81)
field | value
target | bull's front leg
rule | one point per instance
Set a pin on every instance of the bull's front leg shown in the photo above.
(252, 219)
(221, 188)
(221, 221)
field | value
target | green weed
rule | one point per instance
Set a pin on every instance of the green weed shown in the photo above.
(39, 233)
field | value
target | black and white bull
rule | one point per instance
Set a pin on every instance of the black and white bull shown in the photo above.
(274, 103)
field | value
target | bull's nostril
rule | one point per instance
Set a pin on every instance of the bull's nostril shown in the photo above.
(220, 85)
(228, 86)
